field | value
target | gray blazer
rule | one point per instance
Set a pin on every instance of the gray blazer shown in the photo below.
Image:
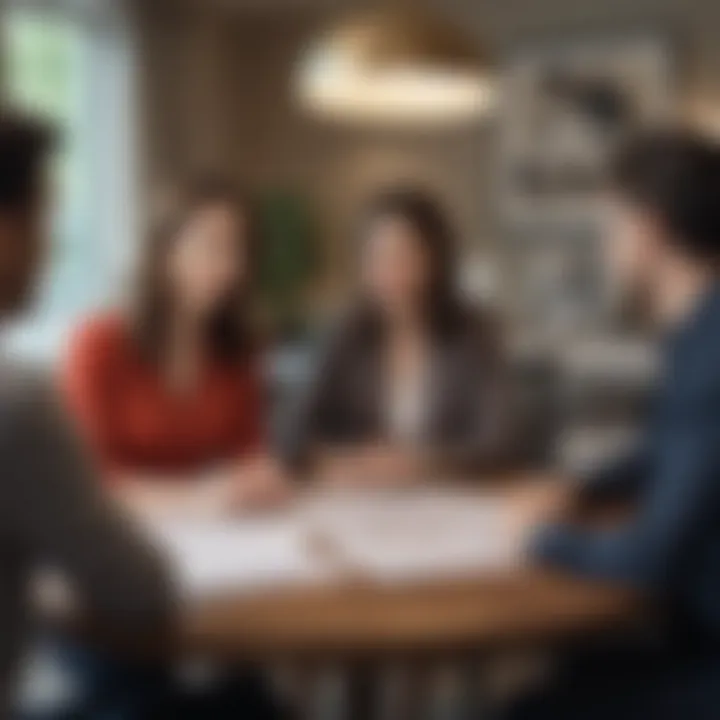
(467, 425)
(53, 513)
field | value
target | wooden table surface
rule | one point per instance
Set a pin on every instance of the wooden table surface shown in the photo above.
(359, 626)
(517, 605)
(522, 606)
(361, 620)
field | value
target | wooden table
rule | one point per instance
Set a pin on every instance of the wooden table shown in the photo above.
(360, 625)
(361, 628)
(357, 620)
(497, 606)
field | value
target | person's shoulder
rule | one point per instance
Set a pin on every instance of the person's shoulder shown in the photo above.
(101, 335)
(21, 381)
(27, 396)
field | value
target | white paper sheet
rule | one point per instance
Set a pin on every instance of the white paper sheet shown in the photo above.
(382, 536)
(419, 535)
(211, 557)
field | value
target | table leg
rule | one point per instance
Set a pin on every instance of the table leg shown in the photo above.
(361, 693)
(415, 692)
(450, 689)
(410, 690)
(303, 685)
(476, 694)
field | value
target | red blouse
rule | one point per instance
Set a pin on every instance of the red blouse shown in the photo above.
(134, 422)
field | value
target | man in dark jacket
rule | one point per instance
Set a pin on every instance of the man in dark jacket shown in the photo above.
(52, 512)
(665, 246)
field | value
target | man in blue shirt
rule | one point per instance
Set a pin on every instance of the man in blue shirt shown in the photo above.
(664, 246)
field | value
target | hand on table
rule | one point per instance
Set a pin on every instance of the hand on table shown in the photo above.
(200, 495)
(214, 493)
(385, 465)
(260, 484)
(372, 466)
(539, 501)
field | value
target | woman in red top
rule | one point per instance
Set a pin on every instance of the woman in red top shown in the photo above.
(169, 394)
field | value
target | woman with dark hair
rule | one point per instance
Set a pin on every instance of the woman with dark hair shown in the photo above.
(169, 393)
(412, 382)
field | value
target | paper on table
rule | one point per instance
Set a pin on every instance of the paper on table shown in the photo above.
(421, 535)
(211, 557)
(384, 536)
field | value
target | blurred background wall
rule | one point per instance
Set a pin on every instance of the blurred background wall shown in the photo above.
(217, 90)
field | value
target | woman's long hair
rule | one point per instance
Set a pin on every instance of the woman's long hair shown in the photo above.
(228, 335)
(442, 310)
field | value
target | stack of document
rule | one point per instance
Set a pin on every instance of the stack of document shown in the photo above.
(381, 536)
(216, 557)
(421, 535)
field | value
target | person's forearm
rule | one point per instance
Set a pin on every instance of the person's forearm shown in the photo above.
(611, 555)
(368, 465)
(619, 479)
(466, 460)
(335, 466)
(151, 495)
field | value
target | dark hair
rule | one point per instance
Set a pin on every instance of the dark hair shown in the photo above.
(435, 235)
(675, 175)
(24, 145)
(228, 330)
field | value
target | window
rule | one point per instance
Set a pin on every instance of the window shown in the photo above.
(69, 62)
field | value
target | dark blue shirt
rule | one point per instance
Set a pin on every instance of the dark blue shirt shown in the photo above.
(671, 547)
